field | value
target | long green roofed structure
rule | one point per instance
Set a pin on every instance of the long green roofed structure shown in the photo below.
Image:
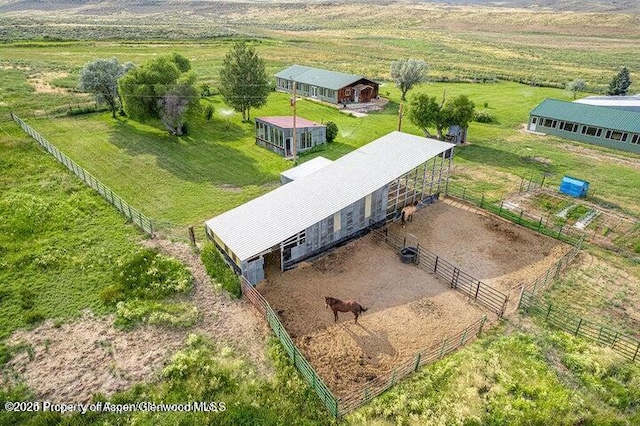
(599, 125)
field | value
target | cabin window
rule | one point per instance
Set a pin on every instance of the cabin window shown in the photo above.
(616, 136)
(547, 122)
(534, 120)
(635, 139)
(592, 131)
(347, 92)
(305, 140)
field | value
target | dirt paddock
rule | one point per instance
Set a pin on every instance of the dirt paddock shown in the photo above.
(408, 308)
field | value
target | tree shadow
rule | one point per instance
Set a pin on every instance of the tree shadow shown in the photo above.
(203, 156)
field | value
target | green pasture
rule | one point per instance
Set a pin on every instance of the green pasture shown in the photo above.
(58, 239)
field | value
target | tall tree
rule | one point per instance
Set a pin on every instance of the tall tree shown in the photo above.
(142, 88)
(575, 86)
(425, 112)
(619, 85)
(100, 77)
(243, 79)
(177, 102)
(407, 73)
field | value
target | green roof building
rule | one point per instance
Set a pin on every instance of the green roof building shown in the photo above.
(329, 86)
(599, 125)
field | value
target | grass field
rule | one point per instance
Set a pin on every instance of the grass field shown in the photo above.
(59, 241)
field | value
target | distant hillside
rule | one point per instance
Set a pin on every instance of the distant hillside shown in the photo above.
(98, 7)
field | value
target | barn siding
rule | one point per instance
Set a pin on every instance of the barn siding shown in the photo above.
(321, 236)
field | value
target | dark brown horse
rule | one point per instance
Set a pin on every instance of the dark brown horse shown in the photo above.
(338, 305)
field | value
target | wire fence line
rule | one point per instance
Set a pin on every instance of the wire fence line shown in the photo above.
(143, 222)
(542, 224)
(564, 320)
(459, 280)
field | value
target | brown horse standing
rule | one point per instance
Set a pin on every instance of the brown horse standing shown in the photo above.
(408, 211)
(338, 305)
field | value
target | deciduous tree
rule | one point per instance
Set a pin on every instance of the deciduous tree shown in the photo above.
(426, 113)
(407, 73)
(575, 86)
(100, 77)
(243, 79)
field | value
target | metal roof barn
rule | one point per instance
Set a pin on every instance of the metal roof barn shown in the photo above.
(249, 229)
(318, 77)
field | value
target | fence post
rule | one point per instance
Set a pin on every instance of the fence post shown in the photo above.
(599, 334)
(477, 291)
(435, 267)
(393, 377)
(464, 335)
(484, 319)
(636, 354)
(418, 361)
(521, 294)
(482, 202)
(578, 329)
(442, 348)
(548, 311)
(539, 224)
(520, 218)
(614, 339)
(464, 190)
(560, 230)
(192, 236)
(500, 211)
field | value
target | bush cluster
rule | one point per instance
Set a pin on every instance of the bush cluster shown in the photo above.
(483, 117)
(218, 269)
(130, 313)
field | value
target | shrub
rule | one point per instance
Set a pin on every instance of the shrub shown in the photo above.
(483, 117)
(148, 275)
(332, 131)
(133, 312)
(208, 112)
(218, 269)
(33, 317)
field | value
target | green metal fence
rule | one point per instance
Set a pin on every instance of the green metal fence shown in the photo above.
(557, 317)
(299, 361)
(542, 224)
(424, 357)
(459, 280)
(131, 213)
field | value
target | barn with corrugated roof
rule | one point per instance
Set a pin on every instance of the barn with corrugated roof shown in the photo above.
(332, 204)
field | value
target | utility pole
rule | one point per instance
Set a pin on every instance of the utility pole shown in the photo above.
(294, 144)
(400, 114)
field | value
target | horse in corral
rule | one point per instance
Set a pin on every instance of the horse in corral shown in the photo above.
(338, 305)
(408, 211)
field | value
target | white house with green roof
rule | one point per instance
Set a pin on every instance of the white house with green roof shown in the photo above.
(595, 124)
(329, 86)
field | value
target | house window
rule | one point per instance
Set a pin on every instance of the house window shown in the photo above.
(347, 92)
(592, 131)
(548, 122)
(305, 140)
(635, 139)
(616, 136)
(534, 120)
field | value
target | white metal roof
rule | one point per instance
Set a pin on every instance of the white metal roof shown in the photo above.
(624, 102)
(306, 168)
(266, 221)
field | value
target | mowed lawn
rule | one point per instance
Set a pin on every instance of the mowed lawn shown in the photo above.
(218, 166)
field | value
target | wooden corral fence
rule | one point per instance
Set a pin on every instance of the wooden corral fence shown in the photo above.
(131, 213)
(554, 272)
(539, 223)
(559, 318)
(299, 361)
(424, 357)
(459, 280)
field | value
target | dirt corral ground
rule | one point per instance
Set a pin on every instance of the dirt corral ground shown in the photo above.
(495, 251)
(409, 309)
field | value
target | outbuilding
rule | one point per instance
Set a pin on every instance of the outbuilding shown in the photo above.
(332, 205)
(276, 134)
(328, 86)
(616, 128)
